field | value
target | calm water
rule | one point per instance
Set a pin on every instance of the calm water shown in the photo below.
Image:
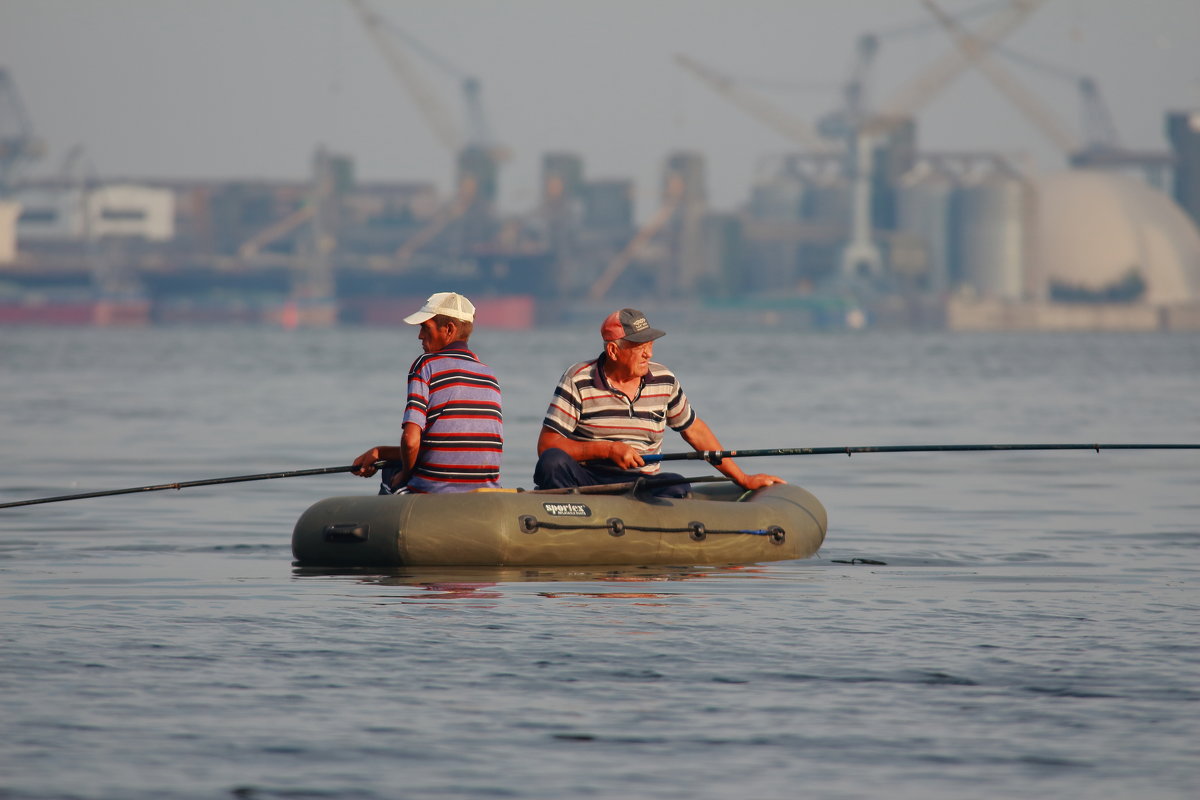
(1033, 632)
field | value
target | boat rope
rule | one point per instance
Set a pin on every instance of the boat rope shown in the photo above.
(697, 531)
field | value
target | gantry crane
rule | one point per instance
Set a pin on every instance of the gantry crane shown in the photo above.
(861, 255)
(477, 154)
(757, 106)
(861, 128)
(18, 144)
(855, 100)
(474, 133)
(1098, 145)
(978, 55)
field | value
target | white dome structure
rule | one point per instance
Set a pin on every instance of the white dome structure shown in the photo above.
(1096, 228)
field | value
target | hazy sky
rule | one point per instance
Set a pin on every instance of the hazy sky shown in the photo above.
(249, 88)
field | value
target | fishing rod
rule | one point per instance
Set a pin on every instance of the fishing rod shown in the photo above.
(716, 456)
(711, 456)
(651, 482)
(265, 476)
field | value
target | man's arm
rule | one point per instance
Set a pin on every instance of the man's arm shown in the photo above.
(619, 453)
(406, 454)
(701, 438)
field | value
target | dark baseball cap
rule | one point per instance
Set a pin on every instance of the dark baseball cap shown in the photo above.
(630, 324)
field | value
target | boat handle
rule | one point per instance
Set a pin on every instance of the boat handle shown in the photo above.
(346, 532)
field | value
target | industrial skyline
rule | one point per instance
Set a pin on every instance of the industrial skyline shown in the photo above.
(250, 89)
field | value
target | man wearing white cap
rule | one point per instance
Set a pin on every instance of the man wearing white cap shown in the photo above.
(452, 431)
(609, 412)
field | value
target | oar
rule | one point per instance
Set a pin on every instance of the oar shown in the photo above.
(266, 476)
(715, 456)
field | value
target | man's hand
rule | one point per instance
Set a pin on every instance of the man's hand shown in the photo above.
(364, 465)
(624, 456)
(759, 480)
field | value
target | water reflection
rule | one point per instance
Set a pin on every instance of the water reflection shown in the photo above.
(474, 584)
(438, 592)
(460, 578)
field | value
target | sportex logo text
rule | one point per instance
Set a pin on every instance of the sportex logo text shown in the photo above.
(567, 509)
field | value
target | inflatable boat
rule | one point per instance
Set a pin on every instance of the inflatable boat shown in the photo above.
(718, 524)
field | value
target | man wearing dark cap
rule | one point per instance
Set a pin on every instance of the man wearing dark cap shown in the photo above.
(609, 412)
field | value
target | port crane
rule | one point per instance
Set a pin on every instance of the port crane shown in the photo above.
(391, 41)
(838, 124)
(471, 142)
(18, 144)
(861, 256)
(1099, 145)
(753, 103)
(978, 55)
(474, 134)
(861, 128)
(682, 205)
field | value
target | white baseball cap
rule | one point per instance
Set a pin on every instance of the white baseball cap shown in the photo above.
(449, 304)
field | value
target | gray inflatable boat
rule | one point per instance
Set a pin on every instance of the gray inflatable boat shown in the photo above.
(719, 524)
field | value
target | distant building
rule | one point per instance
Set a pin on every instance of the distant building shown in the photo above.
(1183, 130)
(8, 231)
(133, 211)
(74, 213)
(51, 214)
(1108, 237)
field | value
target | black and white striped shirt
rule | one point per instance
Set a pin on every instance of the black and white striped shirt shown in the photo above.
(587, 408)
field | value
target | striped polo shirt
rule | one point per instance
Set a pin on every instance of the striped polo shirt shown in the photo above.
(455, 399)
(586, 408)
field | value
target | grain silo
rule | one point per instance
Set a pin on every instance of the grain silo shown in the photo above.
(924, 209)
(992, 236)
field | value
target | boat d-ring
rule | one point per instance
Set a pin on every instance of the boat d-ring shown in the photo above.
(616, 526)
(698, 533)
(777, 534)
(528, 523)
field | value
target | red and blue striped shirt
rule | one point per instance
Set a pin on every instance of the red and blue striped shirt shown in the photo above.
(455, 399)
